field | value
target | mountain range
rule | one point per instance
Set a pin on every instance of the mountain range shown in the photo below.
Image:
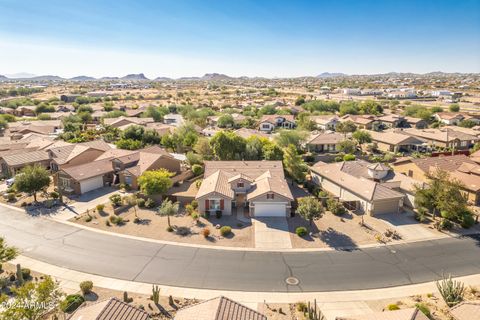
(214, 76)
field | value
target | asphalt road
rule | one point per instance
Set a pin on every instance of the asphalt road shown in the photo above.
(122, 258)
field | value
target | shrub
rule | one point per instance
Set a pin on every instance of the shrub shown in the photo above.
(446, 224)
(141, 202)
(421, 214)
(198, 183)
(301, 231)
(393, 307)
(183, 231)
(225, 230)
(206, 232)
(136, 220)
(100, 207)
(190, 209)
(194, 204)
(116, 220)
(71, 303)
(116, 199)
(88, 218)
(54, 195)
(423, 308)
(194, 215)
(11, 197)
(338, 159)
(467, 220)
(451, 290)
(197, 169)
(349, 157)
(26, 273)
(301, 306)
(169, 228)
(218, 214)
(150, 203)
(86, 287)
(335, 207)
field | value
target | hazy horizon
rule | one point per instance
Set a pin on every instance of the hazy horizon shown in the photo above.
(264, 39)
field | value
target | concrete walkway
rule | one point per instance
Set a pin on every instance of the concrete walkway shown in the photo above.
(407, 227)
(271, 233)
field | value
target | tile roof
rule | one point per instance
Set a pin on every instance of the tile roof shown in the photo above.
(89, 170)
(219, 308)
(266, 183)
(326, 138)
(448, 163)
(393, 137)
(443, 135)
(252, 169)
(111, 309)
(216, 182)
(25, 158)
(404, 314)
(271, 118)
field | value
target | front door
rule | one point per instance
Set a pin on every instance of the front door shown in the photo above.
(240, 200)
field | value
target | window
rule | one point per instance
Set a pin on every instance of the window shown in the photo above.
(270, 196)
(128, 180)
(464, 143)
(410, 173)
(240, 185)
(265, 126)
(64, 182)
(214, 204)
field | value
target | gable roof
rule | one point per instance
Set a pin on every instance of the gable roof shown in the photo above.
(25, 158)
(110, 309)
(393, 137)
(216, 182)
(220, 308)
(90, 169)
(272, 117)
(266, 183)
(448, 163)
(326, 138)
(252, 169)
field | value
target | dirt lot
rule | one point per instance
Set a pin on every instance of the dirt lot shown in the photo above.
(153, 226)
(333, 231)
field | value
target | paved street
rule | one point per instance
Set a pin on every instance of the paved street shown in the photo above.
(128, 259)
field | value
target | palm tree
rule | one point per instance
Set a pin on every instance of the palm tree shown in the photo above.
(168, 208)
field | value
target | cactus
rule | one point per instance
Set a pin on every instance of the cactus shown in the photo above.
(170, 300)
(20, 279)
(155, 294)
(312, 313)
(125, 296)
(452, 291)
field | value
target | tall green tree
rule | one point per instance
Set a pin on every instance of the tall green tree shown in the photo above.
(228, 146)
(285, 137)
(362, 136)
(310, 208)
(168, 209)
(32, 179)
(155, 181)
(346, 127)
(294, 164)
(7, 253)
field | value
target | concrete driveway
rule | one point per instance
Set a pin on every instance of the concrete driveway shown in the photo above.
(407, 226)
(271, 233)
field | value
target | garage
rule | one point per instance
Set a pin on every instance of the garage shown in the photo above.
(389, 206)
(91, 184)
(270, 210)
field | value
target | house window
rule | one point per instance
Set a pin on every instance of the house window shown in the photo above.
(128, 180)
(240, 185)
(265, 126)
(270, 196)
(463, 143)
(214, 204)
(410, 173)
(64, 182)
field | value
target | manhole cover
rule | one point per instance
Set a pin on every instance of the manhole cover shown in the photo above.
(393, 251)
(292, 281)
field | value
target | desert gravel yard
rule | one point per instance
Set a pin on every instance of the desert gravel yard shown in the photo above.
(150, 225)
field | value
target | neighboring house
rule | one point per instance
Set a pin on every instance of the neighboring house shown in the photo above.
(258, 186)
(466, 310)
(392, 121)
(396, 141)
(268, 123)
(324, 142)
(220, 308)
(12, 163)
(45, 127)
(76, 154)
(130, 167)
(444, 138)
(361, 121)
(403, 314)
(161, 128)
(126, 121)
(460, 167)
(68, 98)
(210, 131)
(416, 123)
(110, 309)
(449, 118)
(237, 119)
(355, 191)
(173, 119)
(325, 122)
(25, 111)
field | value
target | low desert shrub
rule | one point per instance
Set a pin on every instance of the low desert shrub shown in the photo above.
(71, 303)
(225, 230)
(206, 232)
(116, 199)
(197, 169)
(86, 287)
(26, 273)
(393, 307)
(141, 202)
(301, 231)
(150, 203)
(100, 207)
(423, 308)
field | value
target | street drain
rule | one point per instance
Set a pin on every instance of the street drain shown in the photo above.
(292, 281)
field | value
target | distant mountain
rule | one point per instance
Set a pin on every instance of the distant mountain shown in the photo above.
(331, 75)
(20, 75)
(46, 78)
(215, 76)
(109, 78)
(82, 78)
(189, 78)
(3, 77)
(162, 79)
(139, 76)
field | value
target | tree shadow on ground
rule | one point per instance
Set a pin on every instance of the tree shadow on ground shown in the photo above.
(337, 240)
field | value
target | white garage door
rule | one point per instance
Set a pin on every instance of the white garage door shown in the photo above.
(270, 210)
(390, 206)
(91, 184)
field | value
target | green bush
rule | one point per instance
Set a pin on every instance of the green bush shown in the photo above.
(88, 218)
(197, 169)
(194, 204)
(338, 158)
(86, 287)
(446, 224)
(170, 229)
(393, 307)
(150, 203)
(225, 230)
(116, 220)
(423, 308)
(100, 207)
(335, 207)
(11, 197)
(301, 231)
(141, 202)
(54, 195)
(421, 214)
(467, 220)
(116, 199)
(301, 306)
(190, 209)
(349, 157)
(194, 215)
(26, 273)
(71, 303)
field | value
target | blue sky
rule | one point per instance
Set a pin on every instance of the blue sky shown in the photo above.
(242, 37)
